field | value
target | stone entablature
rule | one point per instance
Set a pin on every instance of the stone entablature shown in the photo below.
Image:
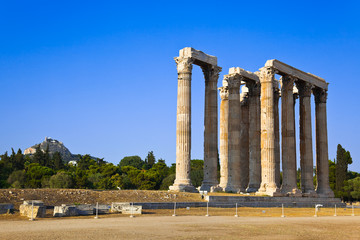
(284, 69)
(198, 57)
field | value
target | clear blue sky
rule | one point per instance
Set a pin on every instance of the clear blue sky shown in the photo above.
(100, 75)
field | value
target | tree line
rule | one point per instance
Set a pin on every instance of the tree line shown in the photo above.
(45, 170)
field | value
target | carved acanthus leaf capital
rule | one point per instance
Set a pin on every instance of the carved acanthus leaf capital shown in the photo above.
(320, 95)
(211, 73)
(267, 74)
(184, 64)
(287, 83)
(304, 88)
(232, 81)
(224, 93)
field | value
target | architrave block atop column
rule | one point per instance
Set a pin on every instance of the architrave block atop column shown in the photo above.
(284, 69)
(199, 57)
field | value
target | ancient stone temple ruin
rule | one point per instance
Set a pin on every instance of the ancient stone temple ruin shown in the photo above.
(250, 129)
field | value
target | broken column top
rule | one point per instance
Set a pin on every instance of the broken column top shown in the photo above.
(244, 73)
(199, 57)
(284, 69)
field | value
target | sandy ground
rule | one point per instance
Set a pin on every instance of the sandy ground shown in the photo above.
(184, 227)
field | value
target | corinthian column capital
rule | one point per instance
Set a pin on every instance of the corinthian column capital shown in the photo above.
(267, 74)
(232, 81)
(184, 64)
(211, 73)
(224, 93)
(304, 88)
(287, 83)
(320, 95)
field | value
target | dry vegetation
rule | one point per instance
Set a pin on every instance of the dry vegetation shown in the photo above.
(53, 197)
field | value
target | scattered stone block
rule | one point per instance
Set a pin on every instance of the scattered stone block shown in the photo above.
(102, 209)
(65, 211)
(85, 209)
(6, 208)
(126, 208)
(135, 209)
(32, 211)
(119, 206)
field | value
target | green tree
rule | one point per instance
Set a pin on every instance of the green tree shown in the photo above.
(95, 179)
(17, 179)
(298, 178)
(150, 160)
(57, 161)
(39, 156)
(343, 159)
(47, 158)
(167, 182)
(172, 169)
(197, 172)
(134, 161)
(81, 179)
(130, 173)
(146, 180)
(61, 180)
(19, 160)
(352, 186)
(332, 174)
(162, 170)
(5, 170)
(36, 175)
(85, 162)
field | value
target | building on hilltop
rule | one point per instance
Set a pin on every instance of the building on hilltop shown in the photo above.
(54, 146)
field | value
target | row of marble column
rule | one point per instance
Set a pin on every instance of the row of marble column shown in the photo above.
(249, 134)
(250, 141)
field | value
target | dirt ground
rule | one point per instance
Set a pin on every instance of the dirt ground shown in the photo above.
(184, 227)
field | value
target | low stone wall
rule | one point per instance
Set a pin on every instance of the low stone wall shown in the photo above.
(250, 201)
(245, 201)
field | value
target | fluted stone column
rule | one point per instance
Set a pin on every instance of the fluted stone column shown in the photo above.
(268, 184)
(306, 153)
(244, 140)
(254, 136)
(183, 126)
(322, 159)
(289, 185)
(234, 134)
(211, 74)
(277, 135)
(224, 129)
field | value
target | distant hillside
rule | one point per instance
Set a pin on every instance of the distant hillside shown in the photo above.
(54, 146)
